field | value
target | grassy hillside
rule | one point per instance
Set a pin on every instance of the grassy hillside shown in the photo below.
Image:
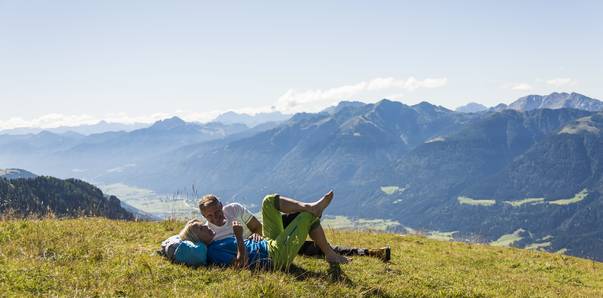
(99, 257)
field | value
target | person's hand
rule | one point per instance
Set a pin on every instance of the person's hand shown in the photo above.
(241, 261)
(237, 229)
(256, 237)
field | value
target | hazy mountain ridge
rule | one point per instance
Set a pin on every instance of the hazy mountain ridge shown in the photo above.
(251, 120)
(85, 129)
(313, 151)
(554, 100)
(65, 155)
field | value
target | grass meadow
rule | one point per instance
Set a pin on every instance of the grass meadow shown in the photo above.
(93, 257)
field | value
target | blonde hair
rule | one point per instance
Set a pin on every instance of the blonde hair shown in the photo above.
(187, 234)
(208, 200)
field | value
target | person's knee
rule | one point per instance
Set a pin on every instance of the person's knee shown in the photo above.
(271, 201)
(309, 217)
(315, 225)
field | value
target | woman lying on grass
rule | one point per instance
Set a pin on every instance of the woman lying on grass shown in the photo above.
(279, 246)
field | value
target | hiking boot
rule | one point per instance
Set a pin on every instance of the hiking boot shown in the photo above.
(384, 253)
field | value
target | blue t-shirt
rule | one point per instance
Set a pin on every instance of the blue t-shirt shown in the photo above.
(224, 252)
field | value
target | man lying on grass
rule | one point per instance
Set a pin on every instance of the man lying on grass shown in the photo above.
(220, 217)
(280, 245)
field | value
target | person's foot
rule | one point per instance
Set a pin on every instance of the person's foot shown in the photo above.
(337, 259)
(384, 253)
(319, 206)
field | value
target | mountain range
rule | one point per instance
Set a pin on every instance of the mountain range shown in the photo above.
(86, 129)
(526, 176)
(555, 100)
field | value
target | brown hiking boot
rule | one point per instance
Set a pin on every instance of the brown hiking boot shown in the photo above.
(384, 253)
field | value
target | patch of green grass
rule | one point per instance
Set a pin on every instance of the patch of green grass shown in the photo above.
(344, 222)
(473, 202)
(584, 124)
(507, 240)
(98, 257)
(538, 246)
(531, 201)
(575, 199)
(442, 236)
(151, 202)
(390, 190)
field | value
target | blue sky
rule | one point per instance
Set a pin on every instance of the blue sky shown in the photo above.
(70, 62)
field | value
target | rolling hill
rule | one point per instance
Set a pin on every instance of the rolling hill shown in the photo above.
(48, 196)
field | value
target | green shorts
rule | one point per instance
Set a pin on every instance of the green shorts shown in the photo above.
(284, 243)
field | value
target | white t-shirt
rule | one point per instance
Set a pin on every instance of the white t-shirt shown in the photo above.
(233, 211)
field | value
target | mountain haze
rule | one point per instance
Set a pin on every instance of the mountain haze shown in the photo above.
(251, 120)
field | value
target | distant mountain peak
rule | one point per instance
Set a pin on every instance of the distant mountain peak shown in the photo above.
(342, 105)
(429, 107)
(472, 107)
(169, 123)
(387, 103)
(556, 100)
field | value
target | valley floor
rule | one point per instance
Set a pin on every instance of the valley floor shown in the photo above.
(99, 257)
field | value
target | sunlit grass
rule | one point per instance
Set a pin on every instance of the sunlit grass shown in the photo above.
(508, 239)
(531, 201)
(390, 190)
(575, 199)
(99, 257)
(474, 202)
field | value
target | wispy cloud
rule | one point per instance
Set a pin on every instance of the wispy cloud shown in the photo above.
(316, 99)
(292, 101)
(561, 82)
(522, 87)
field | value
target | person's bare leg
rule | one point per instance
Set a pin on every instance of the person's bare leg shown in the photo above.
(288, 205)
(318, 235)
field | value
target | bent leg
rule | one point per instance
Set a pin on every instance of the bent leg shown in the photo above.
(271, 216)
(288, 243)
(318, 235)
(288, 205)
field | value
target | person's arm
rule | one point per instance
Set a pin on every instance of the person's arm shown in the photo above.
(244, 216)
(241, 260)
(255, 226)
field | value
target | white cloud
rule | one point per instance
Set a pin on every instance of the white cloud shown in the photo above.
(317, 99)
(522, 87)
(561, 82)
(292, 101)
